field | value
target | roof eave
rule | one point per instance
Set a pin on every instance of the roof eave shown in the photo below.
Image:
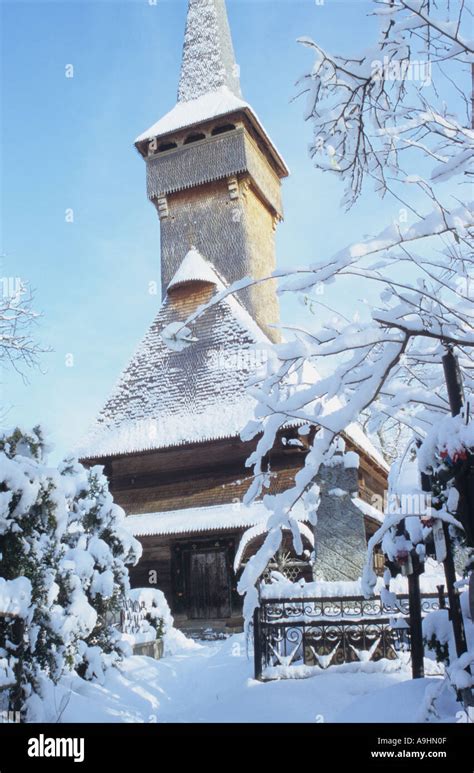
(283, 170)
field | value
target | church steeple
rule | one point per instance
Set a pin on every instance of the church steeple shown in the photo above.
(208, 61)
(213, 173)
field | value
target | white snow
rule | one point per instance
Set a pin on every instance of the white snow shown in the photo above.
(214, 683)
(208, 60)
(195, 519)
(367, 509)
(259, 529)
(7, 676)
(15, 596)
(355, 432)
(151, 614)
(168, 430)
(429, 580)
(194, 268)
(352, 459)
(214, 104)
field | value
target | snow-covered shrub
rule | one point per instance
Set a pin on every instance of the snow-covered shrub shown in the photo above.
(100, 548)
(15, 602)
(61, 532)
(33, 520)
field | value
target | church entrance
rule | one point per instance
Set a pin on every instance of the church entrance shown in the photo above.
(203, 580)
(209, 584)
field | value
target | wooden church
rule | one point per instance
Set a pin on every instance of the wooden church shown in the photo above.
(169, 435)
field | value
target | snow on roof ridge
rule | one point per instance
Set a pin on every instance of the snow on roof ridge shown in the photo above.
(194, 268)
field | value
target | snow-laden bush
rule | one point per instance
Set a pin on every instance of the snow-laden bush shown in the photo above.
(33, 522)
(100, 548)
(61, 532)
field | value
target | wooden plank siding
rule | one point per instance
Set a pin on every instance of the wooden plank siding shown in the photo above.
(198, 475)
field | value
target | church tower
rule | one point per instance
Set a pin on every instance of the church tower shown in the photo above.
(213, 174)
(169, 434)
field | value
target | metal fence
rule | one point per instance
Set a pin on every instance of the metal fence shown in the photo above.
(291, 633)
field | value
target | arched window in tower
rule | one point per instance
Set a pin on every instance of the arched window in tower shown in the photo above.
(223, 128)
(194, 138)
(166, 146)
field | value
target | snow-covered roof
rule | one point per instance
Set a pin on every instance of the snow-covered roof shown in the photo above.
(167, 398)
(209, 85)
(261, 528)
(369, 510)
(198, 519)
(194, 268)
(206, 107)
(215, 104)
(355, 433)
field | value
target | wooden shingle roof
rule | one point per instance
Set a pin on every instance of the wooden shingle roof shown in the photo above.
(166, 398)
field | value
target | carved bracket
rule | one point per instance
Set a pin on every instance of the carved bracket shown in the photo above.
(162, 206)
(233, 187)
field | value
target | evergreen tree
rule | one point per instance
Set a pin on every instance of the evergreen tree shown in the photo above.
(60, 529)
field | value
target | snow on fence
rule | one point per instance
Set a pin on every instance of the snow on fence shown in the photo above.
(133, 617)
(143, 620)
(293, 637)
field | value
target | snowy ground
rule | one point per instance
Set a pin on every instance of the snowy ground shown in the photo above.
(213, 682)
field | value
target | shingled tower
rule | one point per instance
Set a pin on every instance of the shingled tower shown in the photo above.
(169, 433)
(212, 172)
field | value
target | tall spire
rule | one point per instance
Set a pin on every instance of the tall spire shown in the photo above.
(208, 55)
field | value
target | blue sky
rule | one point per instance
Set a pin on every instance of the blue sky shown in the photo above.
(68, 143)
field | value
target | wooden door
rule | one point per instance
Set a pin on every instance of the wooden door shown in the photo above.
(209, 583)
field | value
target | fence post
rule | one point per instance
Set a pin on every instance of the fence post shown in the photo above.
(257, 644)
(441, 597)
(416, 630)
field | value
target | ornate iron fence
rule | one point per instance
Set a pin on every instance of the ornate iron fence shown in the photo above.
(318, 632)
(130, 617)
